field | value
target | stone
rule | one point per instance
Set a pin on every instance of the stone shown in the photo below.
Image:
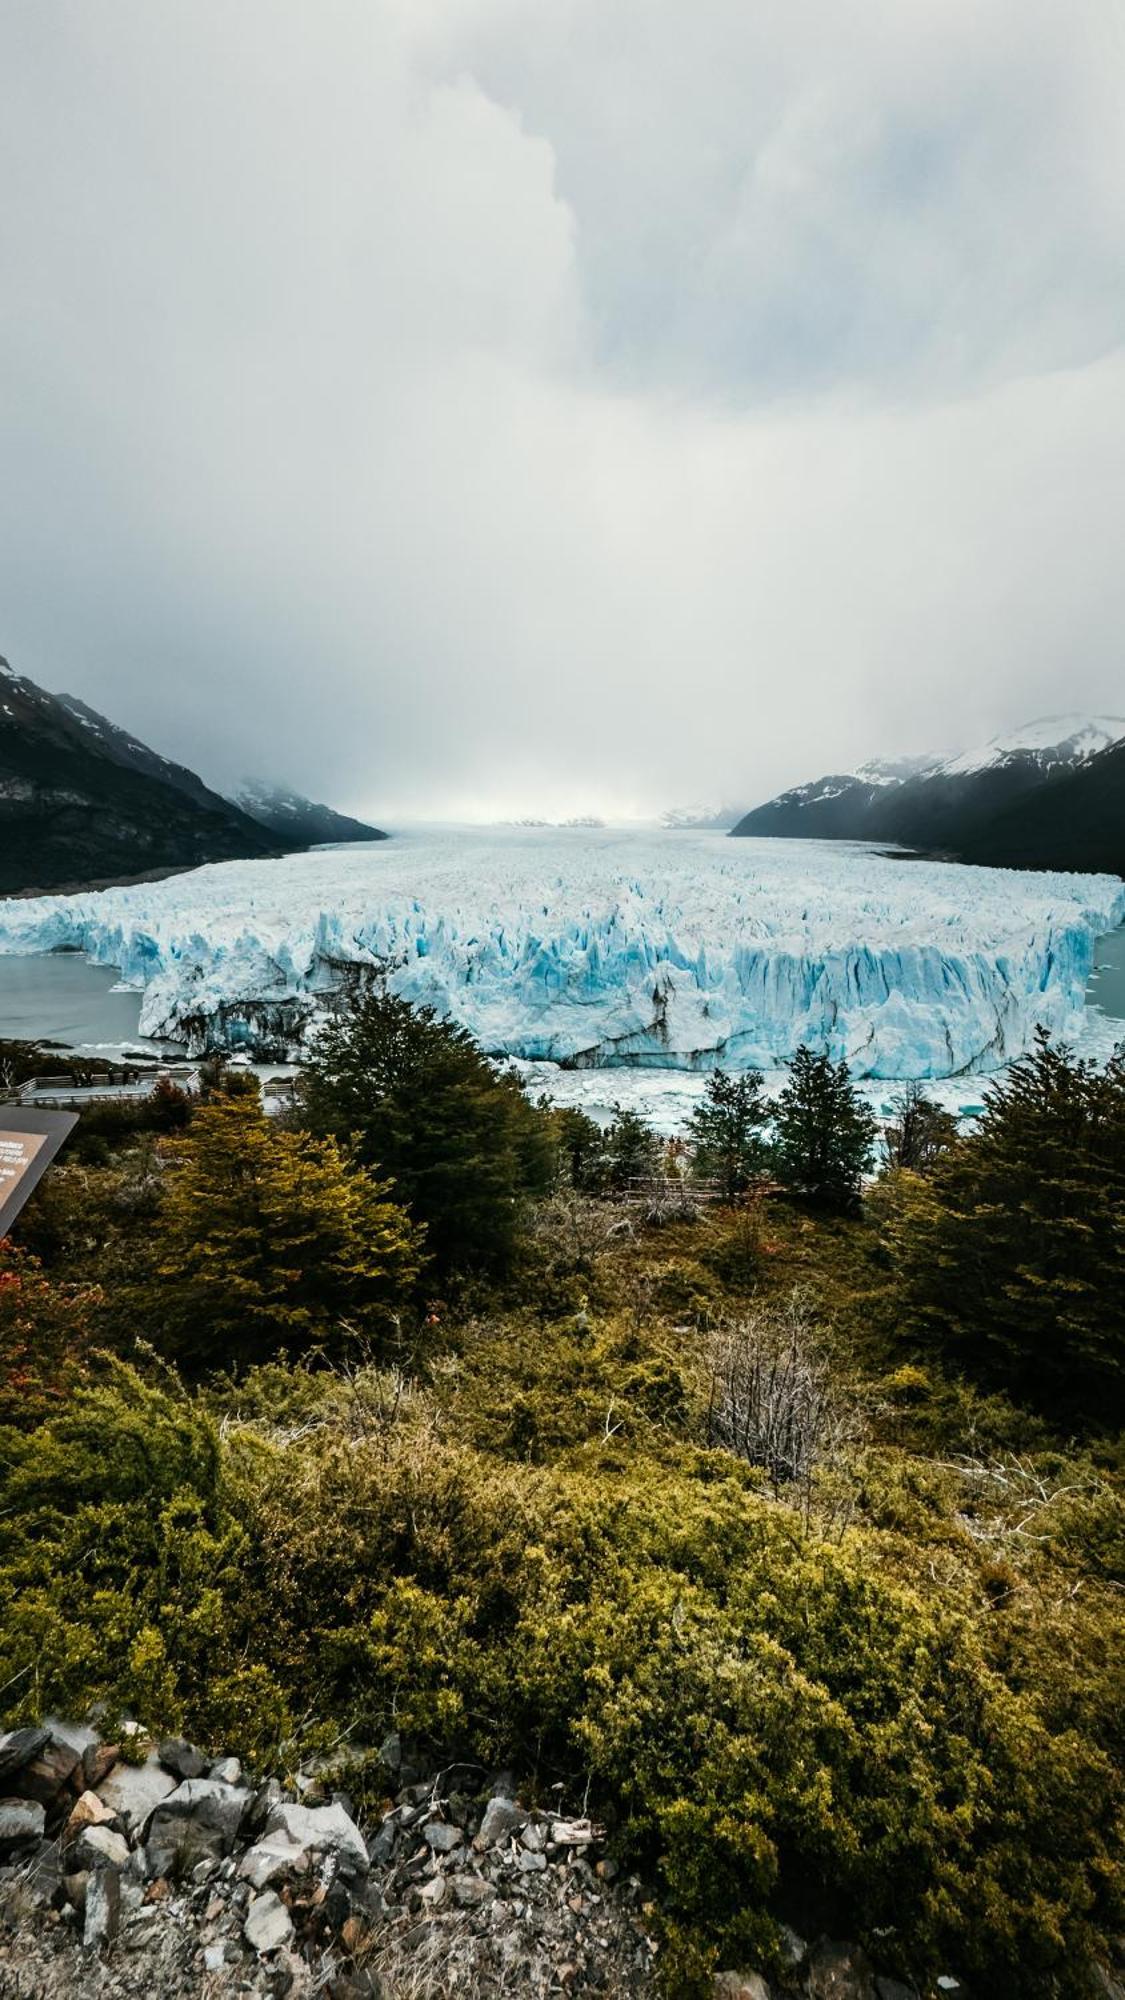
(471, 1891)
(839, 1972)
(534, 1838)
(182, 1759)
(322, 1830)
(794, 1949)
(97, 1763)
(268, 1924)
(441, 1838)
(530, 1863)
(273, 1859)
(228, 1771)
(390, 1751)
(22, 1823)
(197, 1821)
(894, 1989)
(103, 1908)
(502, 1818)
(89, 1811)
(47, 1775)
(214, 1956)
(99, 1847)
(434, 1892)
(572, 1832)
(18, 1748)
(133, 1790)
(1106, 1986)
(740, 1986)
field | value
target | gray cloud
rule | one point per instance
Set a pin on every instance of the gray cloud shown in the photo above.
(448, 405)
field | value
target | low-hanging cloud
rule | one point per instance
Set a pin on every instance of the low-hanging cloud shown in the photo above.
(451, 406)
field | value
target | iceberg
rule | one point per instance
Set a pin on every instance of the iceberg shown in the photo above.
(594, 948)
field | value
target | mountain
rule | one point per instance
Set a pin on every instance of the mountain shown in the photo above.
(838, 806)
(952, 805)
(298, 821)
(701, 819)
(1075, 819)
(82, 802)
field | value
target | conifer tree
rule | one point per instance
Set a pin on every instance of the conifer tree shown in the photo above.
(632, 1149)
(1011, 1256)
(415, 1095)
(726, 1131)
(269, 1239)
(823, 1133)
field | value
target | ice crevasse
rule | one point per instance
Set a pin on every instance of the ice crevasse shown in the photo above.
(585, 947)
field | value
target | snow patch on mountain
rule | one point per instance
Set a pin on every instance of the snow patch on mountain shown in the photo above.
(661, 951)
(1049, 741)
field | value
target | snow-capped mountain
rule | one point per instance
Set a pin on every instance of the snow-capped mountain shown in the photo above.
(81, 801)
(298, 821)
(701, 819)
(1050, 743)
(951, 804)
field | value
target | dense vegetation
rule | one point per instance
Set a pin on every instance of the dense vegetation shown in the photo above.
(762, 1523)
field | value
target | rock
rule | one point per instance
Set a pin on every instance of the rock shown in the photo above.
(434, 1892)
(390, 1751)
(794, 1950)
(839, 1972)
(572, 1832)
(268, 1924)
(133, 1790)
(530, 1863)
(99, 1847)
(502, 1818)
(273, 1859)
(214, 1957)
(198, 1821)
(227, 1771)
(97, 1763)
(22, 1823)
(181, 1758)
(47, 1775)
(441, 1838)
(471, 1891)
(322, 1830)
(103, 1908)
(894, 1989)
(740, 1986)
(534, 1838)
(18, 1748)
(1105, 1985)
(89, 1811)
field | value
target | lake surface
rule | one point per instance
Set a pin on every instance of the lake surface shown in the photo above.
(60, 996)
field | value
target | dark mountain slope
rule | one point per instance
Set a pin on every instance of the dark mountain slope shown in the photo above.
(298, 820)
(1075, 819)
(81, 803)
(1020, 794)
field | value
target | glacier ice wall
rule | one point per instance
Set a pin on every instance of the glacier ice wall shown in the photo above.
(592, 947)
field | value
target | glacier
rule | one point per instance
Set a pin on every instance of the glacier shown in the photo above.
(593, 948)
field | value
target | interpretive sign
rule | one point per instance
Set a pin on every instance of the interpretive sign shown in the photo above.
(29, 1141)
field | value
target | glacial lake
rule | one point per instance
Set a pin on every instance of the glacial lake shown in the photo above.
(60, 996)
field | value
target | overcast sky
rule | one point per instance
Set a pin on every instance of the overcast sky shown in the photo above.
(504, 406)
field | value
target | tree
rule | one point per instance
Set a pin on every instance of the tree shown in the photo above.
(582, 1157)
(1010, 1256)
(823, 1133)
(726, 1131)
(269, 1239)
(920, 1133)
(417, 1098)
(632, 1149)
